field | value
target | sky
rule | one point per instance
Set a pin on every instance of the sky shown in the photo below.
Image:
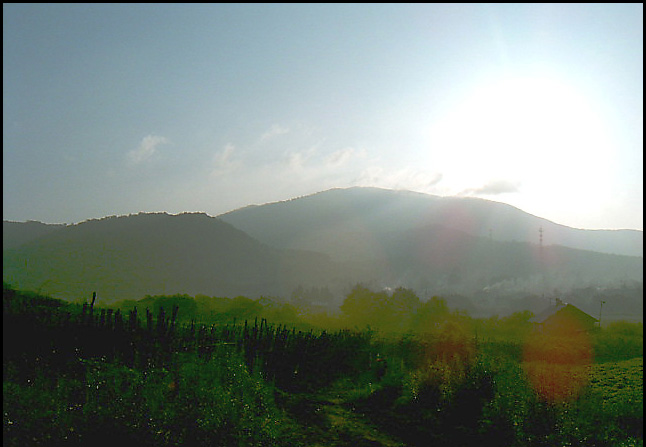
(126, 108)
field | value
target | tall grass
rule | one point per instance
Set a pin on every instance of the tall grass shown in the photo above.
(78, 375)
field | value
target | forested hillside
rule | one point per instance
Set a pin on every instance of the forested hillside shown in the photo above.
(346, 223)
(131, 256)
(128, 257)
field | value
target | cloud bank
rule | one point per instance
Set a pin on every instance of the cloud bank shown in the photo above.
(146, 149)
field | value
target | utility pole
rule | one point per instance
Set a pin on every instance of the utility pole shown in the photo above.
(491, 262)
(541, 262)
(600, 307)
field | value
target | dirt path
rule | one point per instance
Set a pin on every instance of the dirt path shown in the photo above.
(354, 427)
(329, 420)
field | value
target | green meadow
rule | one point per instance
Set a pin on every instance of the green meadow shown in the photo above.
(387, 371)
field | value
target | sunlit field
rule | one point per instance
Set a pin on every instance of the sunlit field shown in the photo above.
(261, 373)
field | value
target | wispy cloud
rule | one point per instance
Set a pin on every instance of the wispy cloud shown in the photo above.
(297, 161)
(273, 132)
(403, 178)
(492, 188)
(224, 161)
(146, 149)
(342, 156)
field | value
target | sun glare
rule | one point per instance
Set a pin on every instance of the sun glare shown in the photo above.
(521, 129)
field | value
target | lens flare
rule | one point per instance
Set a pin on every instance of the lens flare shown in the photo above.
(557, 359)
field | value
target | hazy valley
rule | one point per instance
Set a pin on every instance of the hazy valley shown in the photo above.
(485, 257)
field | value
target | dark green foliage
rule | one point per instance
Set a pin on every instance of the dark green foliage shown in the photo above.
(155, 379)
(141, 374)
(78, 375)
(129, 256)
(619, 341)
(214, 310)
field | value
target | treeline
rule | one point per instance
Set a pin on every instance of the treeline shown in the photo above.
(78, 375)
(386, 313)
(145, 376)
(389, 312)
(215, 310)
(58, 334)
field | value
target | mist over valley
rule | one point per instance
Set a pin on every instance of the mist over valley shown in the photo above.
(482, 256)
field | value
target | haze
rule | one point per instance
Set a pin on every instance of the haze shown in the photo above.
(117, 109)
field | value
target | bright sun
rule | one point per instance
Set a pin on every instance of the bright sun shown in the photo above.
(527, 130)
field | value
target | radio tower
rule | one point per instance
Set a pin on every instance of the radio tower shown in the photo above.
(491, 263)
(540, 258)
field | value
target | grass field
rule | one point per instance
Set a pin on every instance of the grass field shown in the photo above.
(82, 376)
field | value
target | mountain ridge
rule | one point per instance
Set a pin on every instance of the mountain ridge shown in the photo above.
(463, 212)
(627, 242)
(334, 240)
(156, 253)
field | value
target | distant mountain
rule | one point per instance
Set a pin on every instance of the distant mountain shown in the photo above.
(443, 245)
(350, 223)
(18, 233)
(132, 256)
(474, 248)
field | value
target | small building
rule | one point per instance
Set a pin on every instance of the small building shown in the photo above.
(564, 318)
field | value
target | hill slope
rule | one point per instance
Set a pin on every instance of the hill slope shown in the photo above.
(15, 234)
(443, 245)
(129, 257)
(343, 222)
(337, 239)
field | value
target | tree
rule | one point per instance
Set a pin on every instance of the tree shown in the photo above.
(359, 306)
(400, 309)
(431, 314)
(390, 313)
